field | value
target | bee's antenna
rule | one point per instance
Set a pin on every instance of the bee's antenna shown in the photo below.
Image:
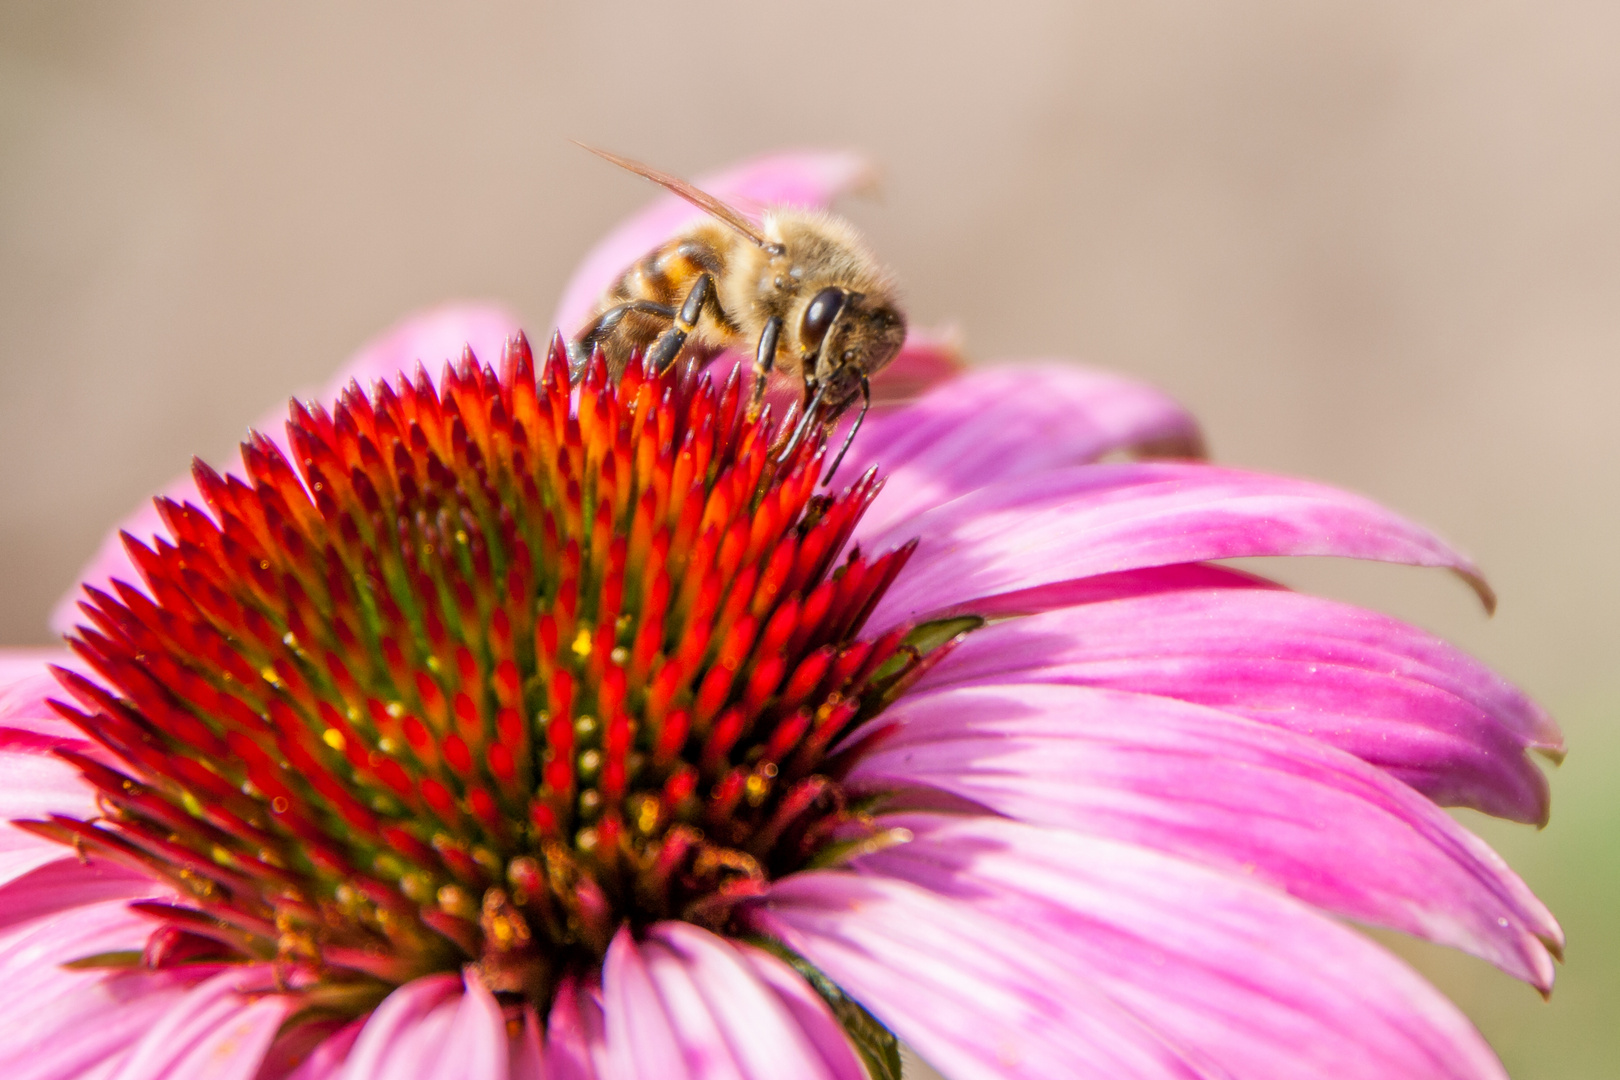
(866, 403)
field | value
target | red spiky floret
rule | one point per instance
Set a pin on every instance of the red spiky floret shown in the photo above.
(486, 670)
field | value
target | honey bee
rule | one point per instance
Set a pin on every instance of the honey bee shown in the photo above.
(800, 286)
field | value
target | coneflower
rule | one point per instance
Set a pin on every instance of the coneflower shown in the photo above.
(497, 727)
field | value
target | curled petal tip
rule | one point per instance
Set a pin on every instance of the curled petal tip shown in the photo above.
(1481, 587)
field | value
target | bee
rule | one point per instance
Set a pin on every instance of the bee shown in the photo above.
(800, 286)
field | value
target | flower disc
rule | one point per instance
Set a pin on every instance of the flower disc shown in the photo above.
(482, 674)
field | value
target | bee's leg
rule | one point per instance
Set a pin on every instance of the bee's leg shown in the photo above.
(577, 359)
(607, 322)
(602, 327)
(668, 345)
(812, 405)
(764, 359)
(866, 403)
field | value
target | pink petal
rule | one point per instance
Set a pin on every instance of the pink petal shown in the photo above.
(967, 992)
(1261, 984)
(733, 1023)
(60, 1023)
(325, 1062)
(576, 1044)
(433, 1028)
(69, 883)
(36, 785)
(1225, 791)
(432, 337)
(1125, 583)
(815, 1019)
(478, 1047)
(36, 782)
(1063, 524)
(22, 853)
(641, 1040)
(995, 423)
(219, 1030)
(527, 1060)
(310, 1050)
(1392, 695)
(804, 178)
(26, 687)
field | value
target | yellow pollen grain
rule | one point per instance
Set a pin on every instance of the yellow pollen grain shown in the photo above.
(647, 817)
(434, 665)
(334, 738)
(457, 901)
(396, 709)
(502, 930)
(416, 886)
(461, 536)
(758, 786)
(619, 655)
(486, 858)
(582, 643)
(268, 674)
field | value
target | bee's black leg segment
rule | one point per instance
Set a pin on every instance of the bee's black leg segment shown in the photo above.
(603, 326)
(605, 323)
(764, 360)
(812, 405)
(668, 345)
(866, 403)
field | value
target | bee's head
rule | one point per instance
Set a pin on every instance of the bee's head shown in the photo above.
(847, 335)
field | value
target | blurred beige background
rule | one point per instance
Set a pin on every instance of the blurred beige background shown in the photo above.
(1373, 242)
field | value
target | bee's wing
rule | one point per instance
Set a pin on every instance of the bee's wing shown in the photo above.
(698, 198)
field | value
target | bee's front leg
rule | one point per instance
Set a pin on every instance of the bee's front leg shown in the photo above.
(866, 403)
(764, 360)
(669, 343)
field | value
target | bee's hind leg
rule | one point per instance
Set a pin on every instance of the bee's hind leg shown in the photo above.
(764, 360)
(603, 327)
(669, 343)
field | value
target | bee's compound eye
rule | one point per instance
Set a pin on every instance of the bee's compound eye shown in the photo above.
(819, 316)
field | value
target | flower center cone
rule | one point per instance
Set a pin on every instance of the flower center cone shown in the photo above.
(485, 672)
